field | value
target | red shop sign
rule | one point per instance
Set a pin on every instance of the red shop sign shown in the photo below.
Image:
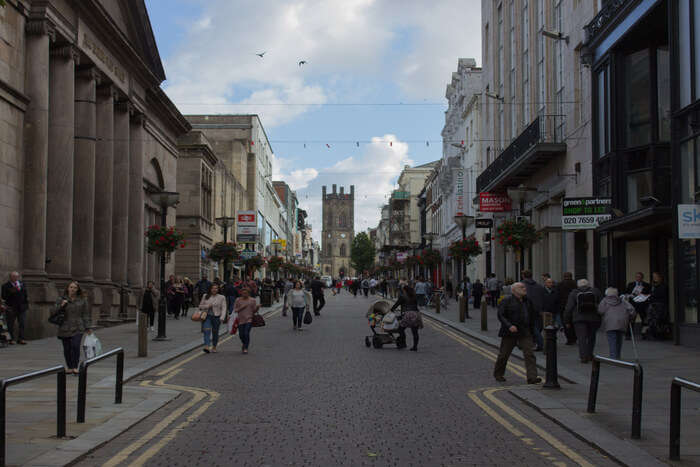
(494, 202)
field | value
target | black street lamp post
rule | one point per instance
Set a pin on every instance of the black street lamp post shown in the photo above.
(226, 222)
(164, 199)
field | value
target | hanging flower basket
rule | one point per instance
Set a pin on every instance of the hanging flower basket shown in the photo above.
(224, 252)
(163, 239)
(517, 234)
(430, 257)
(254, 263)
(275, 263)
(465, 250)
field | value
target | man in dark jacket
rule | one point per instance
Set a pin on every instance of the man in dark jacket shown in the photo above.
(551, 300)
(15, 295)
(317, 293)
(582, 314)
(201, 288)
(635, 288)
(564, 288)
(535, 294)
(517, 318)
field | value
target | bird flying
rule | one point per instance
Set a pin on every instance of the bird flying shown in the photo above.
(261, 54)
(302, 62)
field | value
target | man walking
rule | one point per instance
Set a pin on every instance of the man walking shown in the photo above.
(637, 288)
(517, 319)
(202, 288)
(15, 295)
(421, 291)
(535, 294)
(492, 288)
(317, 294)
(582, 314)
(564, 288)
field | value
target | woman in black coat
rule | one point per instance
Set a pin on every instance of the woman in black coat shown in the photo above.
(410, 316)
(477, 293)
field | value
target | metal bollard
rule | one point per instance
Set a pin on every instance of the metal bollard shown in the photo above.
(550, 346)
(61, 404)
(484, 317)
(436, 299)
(462, 308)
(143, 335)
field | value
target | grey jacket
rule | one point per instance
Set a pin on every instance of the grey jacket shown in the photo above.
(77, 317)
(616, 313)
(572, 315)
(535, 293)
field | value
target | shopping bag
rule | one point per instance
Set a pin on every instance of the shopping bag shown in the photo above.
(258, 321)
(308, 318)
(233, 324)
(92, 346)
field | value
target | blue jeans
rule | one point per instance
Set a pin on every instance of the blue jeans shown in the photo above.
(615, 339)
(71, 350)
(244, 334)
(209, 327)
(298, 315)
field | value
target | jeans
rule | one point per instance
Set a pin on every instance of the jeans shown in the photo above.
(71, 350)
(244, 334)
(585, 335)
(319, 302)
(210, 328)
(507, 345)
(615, 339)
(421, 299)
(414, 331)
(477, 302)
(538, 332)
(366, 291)
(151, 316)
(297, 315)
(20, 317)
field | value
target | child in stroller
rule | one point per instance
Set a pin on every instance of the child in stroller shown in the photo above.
(380, 316)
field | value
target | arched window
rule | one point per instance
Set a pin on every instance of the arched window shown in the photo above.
(342, 250)
(341, 220)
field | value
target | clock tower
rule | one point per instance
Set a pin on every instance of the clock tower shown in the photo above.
(338, 232)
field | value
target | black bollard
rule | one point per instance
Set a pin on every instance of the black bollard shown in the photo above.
(550, 346)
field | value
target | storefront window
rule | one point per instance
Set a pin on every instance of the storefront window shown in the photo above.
(639, 185)
(663, 83)
(688, 172)
(604, 280)
(689, 274)
(637, 106)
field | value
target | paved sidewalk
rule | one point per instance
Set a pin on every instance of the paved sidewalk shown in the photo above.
(661, 361)
(31, 407)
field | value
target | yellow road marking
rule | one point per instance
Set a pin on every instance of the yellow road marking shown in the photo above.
(188, 359)
(493, 414)
(554, 442)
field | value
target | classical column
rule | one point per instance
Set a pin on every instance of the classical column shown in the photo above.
(84, 170)
(136, 223)
(104, 174)
(36, 146)
(59, 217)
(120, 192)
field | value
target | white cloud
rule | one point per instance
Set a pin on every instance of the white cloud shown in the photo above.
(416, 45)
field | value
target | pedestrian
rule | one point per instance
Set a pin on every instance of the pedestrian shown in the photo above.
(176, 297)
(582, 314)
(517, 318)
(354, 287)
(317, 287)
(448, 287)
(365, 287)
(564, 288)
(535, 294)
(505, 290)
(149, 302)
(493, 287)
(299, 300)
(15, 295)
(383, 287)
(410, 316)
(551, 303)
(231, 292)
(214, 304)
(657, 312)
(201, 288)
(421, 291)
(189, 295)
(76, 321)
(477, 292)
(635, 289)
(616, 315)
(246, 307)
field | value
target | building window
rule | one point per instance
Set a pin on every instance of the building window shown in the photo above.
(511, 78)
(501, 71)
(602, 111)
(486, 43)
(541, 78)
(526, 62)
(559, 73)
(637, 82)
(343, 250)
(639, 185)
(207, 188)
(663, 84)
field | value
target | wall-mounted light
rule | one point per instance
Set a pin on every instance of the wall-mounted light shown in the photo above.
(556, 35)
(494, 96)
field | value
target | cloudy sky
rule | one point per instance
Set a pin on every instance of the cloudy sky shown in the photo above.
(369, 100)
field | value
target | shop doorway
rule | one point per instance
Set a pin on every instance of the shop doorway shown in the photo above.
(637, 260)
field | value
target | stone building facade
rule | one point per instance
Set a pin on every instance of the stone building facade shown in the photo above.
(87, 134)
(338, 231)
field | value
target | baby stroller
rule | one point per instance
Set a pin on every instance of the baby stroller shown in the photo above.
(382, 319)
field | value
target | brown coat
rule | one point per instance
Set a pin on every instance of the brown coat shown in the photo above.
(77, 317)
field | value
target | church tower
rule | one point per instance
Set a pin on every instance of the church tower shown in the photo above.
(338, 232)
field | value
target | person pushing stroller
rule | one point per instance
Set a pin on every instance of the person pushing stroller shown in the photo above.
(410, 316)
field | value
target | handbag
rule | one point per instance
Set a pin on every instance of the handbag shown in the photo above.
(57, 317)
(258, 321)
(307, 317)
(199, 315)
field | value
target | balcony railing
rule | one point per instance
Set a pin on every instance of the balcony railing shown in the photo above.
(608, 11)
(400, 195)
(544, 129)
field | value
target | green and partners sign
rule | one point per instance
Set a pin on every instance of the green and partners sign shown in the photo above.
(585, 213)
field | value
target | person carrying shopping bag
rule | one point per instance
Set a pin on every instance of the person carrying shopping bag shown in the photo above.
(74, 321)
(245, 307)
(299, 300)
(214, 304)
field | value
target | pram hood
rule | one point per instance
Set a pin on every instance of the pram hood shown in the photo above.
(380, 307)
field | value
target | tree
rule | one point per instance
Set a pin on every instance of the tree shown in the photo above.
(362, 253)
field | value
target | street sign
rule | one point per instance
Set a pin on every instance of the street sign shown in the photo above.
(585, 213)
(247, 218)
(688, 221)
(281, 242)
(247, 254)
(246, 238)
(483, 223)
(494, 202)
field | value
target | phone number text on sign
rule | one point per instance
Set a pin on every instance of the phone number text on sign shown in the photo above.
(585, 213)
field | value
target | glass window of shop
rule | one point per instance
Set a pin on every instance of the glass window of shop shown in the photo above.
(690, 165)
(688, 51)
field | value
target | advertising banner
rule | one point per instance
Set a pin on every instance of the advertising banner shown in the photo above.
(688, 221)
(401, 256)
(483, 223)
(494, 202)
(247, 219)
(585, 213)
(459, 194)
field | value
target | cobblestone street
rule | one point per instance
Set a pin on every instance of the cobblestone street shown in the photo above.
(320, 397)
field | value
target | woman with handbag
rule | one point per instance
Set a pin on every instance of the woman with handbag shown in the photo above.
(72, 313)
(410, 316)
(299, 300)
(246, 307)
(214, 304)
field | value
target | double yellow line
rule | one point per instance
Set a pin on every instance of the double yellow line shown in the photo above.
(488, 394)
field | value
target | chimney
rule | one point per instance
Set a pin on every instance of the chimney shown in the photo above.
(334, 188)
(352, 190)
(342, 190)
(324, 191)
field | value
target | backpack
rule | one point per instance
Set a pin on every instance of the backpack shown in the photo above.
(586, 302)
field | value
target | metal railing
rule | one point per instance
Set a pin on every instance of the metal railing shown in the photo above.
(609, 10)
(674, 444)
(637, 391)
(82, 382)
(60, 372)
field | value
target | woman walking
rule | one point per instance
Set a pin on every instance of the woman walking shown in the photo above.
(76, 321)
(149, 303)
(246, 307)
(214, 304)
(616, 318)
(299, 301)
(189, 295)
(477, 293)
(410, 316)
